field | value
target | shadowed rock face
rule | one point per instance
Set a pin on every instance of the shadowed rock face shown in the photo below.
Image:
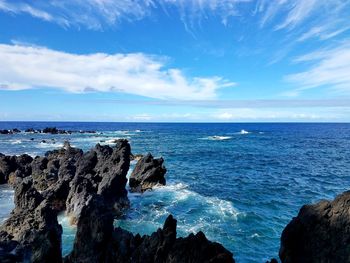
(32, 228)
(320, 233)
(101, 171)
(148, 172)
(97, 241)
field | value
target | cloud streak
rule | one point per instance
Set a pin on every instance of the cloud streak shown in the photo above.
(328, 67)
(29, 67)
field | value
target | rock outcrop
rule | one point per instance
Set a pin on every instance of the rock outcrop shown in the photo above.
(32, 227)
(12, 131)
(101, 171)
(97, 241)
(320, 233)
(13, 167)
(148, 172)
(90, 187)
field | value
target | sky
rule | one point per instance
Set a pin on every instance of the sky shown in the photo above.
(175, 60)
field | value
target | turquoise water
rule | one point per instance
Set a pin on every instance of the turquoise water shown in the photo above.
(238, 183)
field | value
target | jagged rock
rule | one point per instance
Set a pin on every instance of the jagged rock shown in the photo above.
(135, 157)
(148, 172)
(33, 224)
(320, 233)
(94, 232)
(12, 167)
(96, 241)
(52, 130)
(4, 132)
(30, 130)
(57, 194)
(101, 171)
(10, 251)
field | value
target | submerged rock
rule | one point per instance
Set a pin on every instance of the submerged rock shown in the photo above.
(320, 233)
(148, 172)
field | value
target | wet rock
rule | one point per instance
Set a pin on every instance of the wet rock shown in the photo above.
(148, 172)
(10, 251)
(94, 232)
(4, 132)
(135, 157)
(320, 233)
(96, 241)
(33, 224)
(30, 130)
(51, 130)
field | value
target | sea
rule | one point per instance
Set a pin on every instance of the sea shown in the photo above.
(239, 183)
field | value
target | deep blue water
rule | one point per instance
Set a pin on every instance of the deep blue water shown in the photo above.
(240, 189)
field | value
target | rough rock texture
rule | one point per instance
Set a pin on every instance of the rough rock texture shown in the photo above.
(32, 226)
(101, 171)
(12, 167)
(94, 232)
(96, 241)
(320, 233)
(148, 172)
(10, 251)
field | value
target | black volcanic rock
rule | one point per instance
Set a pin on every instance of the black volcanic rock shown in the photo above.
(101, 171)
(320, 233)
(33, 225)
(52, 130)
(148, 172)
(96, 241)
(4, 131)
(94, 232)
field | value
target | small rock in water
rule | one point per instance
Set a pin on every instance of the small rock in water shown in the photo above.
(148, 172)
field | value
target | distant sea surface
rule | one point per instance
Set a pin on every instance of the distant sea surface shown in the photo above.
(238, 183)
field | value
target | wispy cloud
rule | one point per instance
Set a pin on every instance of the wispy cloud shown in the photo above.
(329, 67)
(30, 67)
(18, 8)
(95, 14)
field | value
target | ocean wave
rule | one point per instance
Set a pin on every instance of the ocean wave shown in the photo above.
(244, 132)
(194, 212)
(217, 138)
(15, 141)
(47, 145)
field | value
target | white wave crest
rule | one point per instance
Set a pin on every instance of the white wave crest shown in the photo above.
(16, 141)
(244, 132)
(217, 138)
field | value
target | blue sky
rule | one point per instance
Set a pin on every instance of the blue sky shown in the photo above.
(168, 60)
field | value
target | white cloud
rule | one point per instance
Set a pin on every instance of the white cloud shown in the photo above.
(24, 8)
(329, 67)
(29, 67)
(95, 14)
(282, 114)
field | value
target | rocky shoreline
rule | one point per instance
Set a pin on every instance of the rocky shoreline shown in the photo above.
(90, 187)
(47, 130)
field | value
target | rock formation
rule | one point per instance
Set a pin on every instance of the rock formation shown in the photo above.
(32, 226)
(320, 233)
(97, 241)
(148, 172)
(101, 171)
(90, 187)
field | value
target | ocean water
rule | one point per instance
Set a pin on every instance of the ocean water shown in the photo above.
(238, 183)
